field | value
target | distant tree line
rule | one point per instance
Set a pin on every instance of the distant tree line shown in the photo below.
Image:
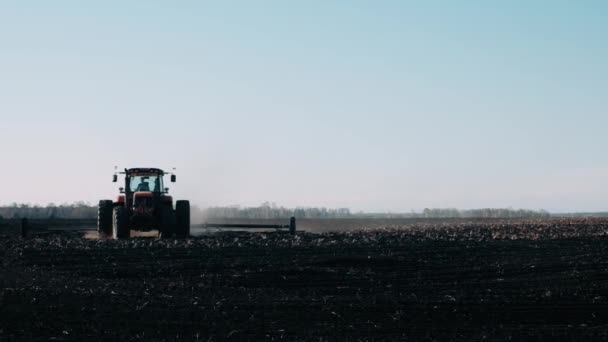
(78, 210)
(272, 211)
(82, 210)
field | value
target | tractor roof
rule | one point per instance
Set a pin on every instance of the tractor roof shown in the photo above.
(145, 170)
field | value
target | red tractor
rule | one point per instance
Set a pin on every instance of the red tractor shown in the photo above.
(143, 204)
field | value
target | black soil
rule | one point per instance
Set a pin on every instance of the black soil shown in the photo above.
(537, 280)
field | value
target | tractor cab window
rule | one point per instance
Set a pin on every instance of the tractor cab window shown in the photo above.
(152, 183)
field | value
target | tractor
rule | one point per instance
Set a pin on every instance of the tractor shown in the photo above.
(143, 204)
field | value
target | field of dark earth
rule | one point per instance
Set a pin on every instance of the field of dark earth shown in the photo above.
(425, 280)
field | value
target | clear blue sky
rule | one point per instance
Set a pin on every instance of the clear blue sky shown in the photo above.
(372, 105)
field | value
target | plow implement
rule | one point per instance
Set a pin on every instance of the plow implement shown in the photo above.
(291, 226)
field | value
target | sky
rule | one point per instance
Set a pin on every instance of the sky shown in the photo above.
(372, 105)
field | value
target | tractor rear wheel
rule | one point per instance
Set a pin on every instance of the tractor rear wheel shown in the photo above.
(120, 227)
(104, 217)
(167, 222)
(182, 218)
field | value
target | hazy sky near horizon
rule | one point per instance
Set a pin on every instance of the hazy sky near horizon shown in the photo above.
(372, 105)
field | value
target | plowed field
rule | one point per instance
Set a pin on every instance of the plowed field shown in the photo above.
(457, 280)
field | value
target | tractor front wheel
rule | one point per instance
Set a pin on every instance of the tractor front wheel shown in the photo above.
(104, 218)
(167, 222)
(182, 218)
(120, 227)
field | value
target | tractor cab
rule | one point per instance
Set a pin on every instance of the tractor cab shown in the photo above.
(145, 181)
(143, 187)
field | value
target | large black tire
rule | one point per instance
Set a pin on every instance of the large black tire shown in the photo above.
(182, 219)
(104, 217)
(120, 227)
(167, 222)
